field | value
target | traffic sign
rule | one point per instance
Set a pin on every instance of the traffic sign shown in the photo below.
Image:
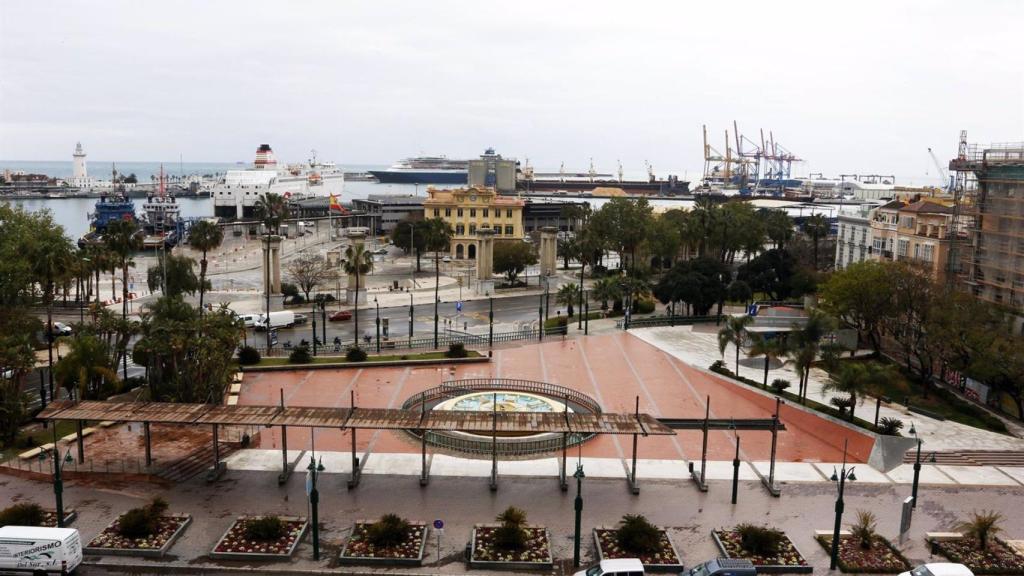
(439, 524)
(458, 306)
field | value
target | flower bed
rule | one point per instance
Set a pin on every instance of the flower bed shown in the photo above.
(50, 517)
(535, 555)
(881, 558)
(787, 560)
(666, 559)
(359, 550)
(999, 558)
(235, 545)
(111, 542)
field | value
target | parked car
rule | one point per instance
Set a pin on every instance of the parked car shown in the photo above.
(61, 329)
(617, 567)
(39, 550)
(940, 569)
(723, 567)
(341, 315)
(446, 259)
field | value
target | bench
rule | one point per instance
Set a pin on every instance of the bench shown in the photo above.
(28, 454)
(232, 400)
(238, 377)
(942, 536)
(828, 533)
(236, 388)
(107, 423)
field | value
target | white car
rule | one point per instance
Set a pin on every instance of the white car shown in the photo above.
(618, 567)
(61, 329)
(940, 569)
(446, 259)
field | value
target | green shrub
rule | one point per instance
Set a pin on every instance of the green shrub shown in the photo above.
(864, 528)
(300, 355)
(843, 403)
(265, 528)
(355, 354)
(297, 299)
(645, 306)
(390, 530)
(143, 521)
(511, 535)
(248, 356)
(456, 350)
(759, 540)
(779, 385)
(24, 514)
(889, 426)
(720, 367)
(637, 535)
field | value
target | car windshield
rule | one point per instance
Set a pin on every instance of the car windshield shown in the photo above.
(594, 571)
(921, 571)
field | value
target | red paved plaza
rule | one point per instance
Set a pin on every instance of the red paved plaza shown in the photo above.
(613, 369)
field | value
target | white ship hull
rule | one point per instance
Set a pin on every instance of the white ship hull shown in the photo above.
(237, 194)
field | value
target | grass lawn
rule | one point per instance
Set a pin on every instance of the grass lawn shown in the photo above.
(35, 435)
(283, 361)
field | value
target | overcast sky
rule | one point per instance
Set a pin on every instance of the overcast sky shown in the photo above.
(853, 86)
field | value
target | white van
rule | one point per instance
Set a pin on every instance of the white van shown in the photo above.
(36, 551)
(277, 320)
(616, 567)
(249, 320)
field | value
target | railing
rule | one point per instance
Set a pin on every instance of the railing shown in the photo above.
(455, 388)
(443, 340)
(653, 321)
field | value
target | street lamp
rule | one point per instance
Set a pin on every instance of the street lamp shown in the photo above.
(917, 463)
(377, 304)
(841, 477)
(322, 301)
(314, 469)
(490, 321)
(313, 314)
(410, 318)
(578, 475)
(58, 483)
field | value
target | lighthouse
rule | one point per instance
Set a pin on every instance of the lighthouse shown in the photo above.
(78, 173)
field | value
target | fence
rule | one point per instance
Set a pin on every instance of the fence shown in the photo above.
(652, 321)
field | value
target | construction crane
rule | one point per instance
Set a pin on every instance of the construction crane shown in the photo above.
(947, 181)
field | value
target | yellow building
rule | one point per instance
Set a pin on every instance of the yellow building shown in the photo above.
(469, 209)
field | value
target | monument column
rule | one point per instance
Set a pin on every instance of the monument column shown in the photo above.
(485, 261)
(271, 256)
(548, 250)
(354, 297)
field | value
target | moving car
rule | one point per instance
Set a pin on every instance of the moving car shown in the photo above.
(61, 329)
(723, 567)
(341, 315)
(617, 567)
(446, 259)
(381, 251)
(277, 320)
(940, 569)
(37, 550)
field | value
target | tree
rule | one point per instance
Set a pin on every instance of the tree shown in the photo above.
(357, 261)
(734, 332)
(805, 343)
(700, 283)
(123, 240)
(855, 379)
(568, 294)
(861, 296)
(511, 257)
(664, 240)
(204, 236)
(624, 224)
(770, 348)
(271, 210)
(817, 227)
(778, 226)
(51, 258)
(412, 230)
(739, 291)
(175, 275)
(87, 372)
(568, 249)
(864, 529)
(982, 526)
(772, 272)
(308, 271)
(606, 289)
(16, 361)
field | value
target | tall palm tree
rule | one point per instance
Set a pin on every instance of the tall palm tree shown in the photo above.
(734, 332)
(271, 209)
(439, 236)
(358, 261)
(123, 240)
(606, 289)
(51, 262)
(568, 295)
(817, 227)
(86, 368)
(204, 236)
(770, 348)
(805, 344)
(855, 379)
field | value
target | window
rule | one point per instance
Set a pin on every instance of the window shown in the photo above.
(497, 230)
(509, 230)
(486, 213)
(448, 212)
(460, 213)
(923, 252)
(460, 229)
(437, 212)
(904, 245)
(472, 212)
(472, 228)
(878, 244)
(906, 221)
(508, 213)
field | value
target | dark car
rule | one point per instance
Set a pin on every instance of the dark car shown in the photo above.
(722, 567)
(341, 315)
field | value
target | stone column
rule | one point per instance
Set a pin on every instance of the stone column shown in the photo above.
(548, 250)
(485, 261)
(355, 297)
(275, 256)
(272, 244)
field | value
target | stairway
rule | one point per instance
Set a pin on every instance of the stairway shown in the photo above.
(969, 458)
(198, 461)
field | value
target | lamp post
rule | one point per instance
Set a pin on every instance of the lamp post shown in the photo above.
(736, 467)
(578, 475)
(490, 321)
(586, 316)
(377, 304)
(917, 464)
(411, 317)
(58, 482)
(841, 477)
(540, 318)
(579, 321)
(323, 320)
(314, 470)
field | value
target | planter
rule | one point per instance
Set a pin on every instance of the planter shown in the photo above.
(50, 517)
(999, 558)
(665, 560)
(882, 558)
(233, 545)
(109, 542)
(536, 555)
(788, 560)
(358, 550)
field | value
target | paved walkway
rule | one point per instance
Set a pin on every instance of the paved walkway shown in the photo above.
(699, 346)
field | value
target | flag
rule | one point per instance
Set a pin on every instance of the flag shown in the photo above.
(336, 206)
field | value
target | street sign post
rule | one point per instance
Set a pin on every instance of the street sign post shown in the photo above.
(439, 530)
(906, 517)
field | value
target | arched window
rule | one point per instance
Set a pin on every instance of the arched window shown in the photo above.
(458, 252)
(471, 251)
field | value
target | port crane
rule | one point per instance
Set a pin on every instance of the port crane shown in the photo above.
(946, 180)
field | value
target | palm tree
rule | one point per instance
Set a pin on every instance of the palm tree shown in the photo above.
(568, 294)
(864, 529)
(358, 260)
(122, 239)
(271, 209)
(982, 526)
(856, 379)
(817, 227)
(86, 368)
(606, 289)
(805, 344)
(770, 348)
(51, 262)
(734, 332)
(438, 237)
(204, 236)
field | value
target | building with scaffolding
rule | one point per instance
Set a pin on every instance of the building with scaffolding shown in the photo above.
(990, 190)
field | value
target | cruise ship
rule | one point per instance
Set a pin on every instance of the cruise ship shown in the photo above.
(429, 170)
(235, 195)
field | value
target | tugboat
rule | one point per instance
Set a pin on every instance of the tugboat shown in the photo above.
(161, 215)
(109, 208)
